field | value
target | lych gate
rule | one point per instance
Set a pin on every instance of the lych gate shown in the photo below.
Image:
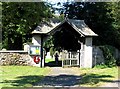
(78, 38)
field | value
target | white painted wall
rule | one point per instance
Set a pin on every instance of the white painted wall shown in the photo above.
(36, 40)
(86, 53)
(26, 47)
(82, 55)
(32, 61)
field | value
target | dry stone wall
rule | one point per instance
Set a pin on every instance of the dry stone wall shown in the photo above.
(15, 58)
(23, 58)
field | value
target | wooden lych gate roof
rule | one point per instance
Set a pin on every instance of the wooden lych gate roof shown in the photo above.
(52, 26)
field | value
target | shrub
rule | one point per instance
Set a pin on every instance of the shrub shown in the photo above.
(108, 51)
(101, 66)
(118, 62)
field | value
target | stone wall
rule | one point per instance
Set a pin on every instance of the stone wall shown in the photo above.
(117, 54)
(98, 57)
(15, 58)
(23, 58)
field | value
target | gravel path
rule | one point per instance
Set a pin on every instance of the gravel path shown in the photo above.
(61, 77)
(67, 77)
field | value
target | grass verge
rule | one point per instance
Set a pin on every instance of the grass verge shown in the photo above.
(98, 76)
(21, 76)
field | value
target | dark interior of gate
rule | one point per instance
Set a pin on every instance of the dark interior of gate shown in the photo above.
(68, 41)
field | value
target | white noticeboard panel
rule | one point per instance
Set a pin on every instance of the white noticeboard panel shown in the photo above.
(34, 50)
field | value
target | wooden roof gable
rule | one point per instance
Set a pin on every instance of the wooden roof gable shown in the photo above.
(78, 25)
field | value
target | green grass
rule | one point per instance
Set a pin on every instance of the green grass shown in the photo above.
(49, 60)
(98, 76)
(27, 76)
(21, 76)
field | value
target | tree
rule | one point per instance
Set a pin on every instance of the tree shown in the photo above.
(101, 17)
(19, 19)
(116, 24)
(0, 25)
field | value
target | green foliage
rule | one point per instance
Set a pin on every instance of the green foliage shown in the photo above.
(19, 19)
(116, 12)
(101, 17)
(49, 43)
(101, 66)
(116, 25)
(108, 51)
(61, 17)
(52, 51)
(118, 62)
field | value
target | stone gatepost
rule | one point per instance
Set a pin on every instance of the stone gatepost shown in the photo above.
(37, 39)
(86, 53)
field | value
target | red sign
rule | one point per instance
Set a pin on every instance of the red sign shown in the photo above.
(36, 59)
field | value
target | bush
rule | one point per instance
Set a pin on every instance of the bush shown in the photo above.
(118, 62)
(101, 66)
(108, 51)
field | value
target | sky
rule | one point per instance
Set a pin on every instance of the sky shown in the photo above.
(56, 1)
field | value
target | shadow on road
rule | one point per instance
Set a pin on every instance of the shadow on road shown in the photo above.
(59, 80)
(53, 64)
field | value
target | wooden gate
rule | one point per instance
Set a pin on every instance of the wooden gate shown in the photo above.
(70, 59)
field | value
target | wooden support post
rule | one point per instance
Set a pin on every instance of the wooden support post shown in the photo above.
(79, 58)
(70, 58)
(41, 51)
